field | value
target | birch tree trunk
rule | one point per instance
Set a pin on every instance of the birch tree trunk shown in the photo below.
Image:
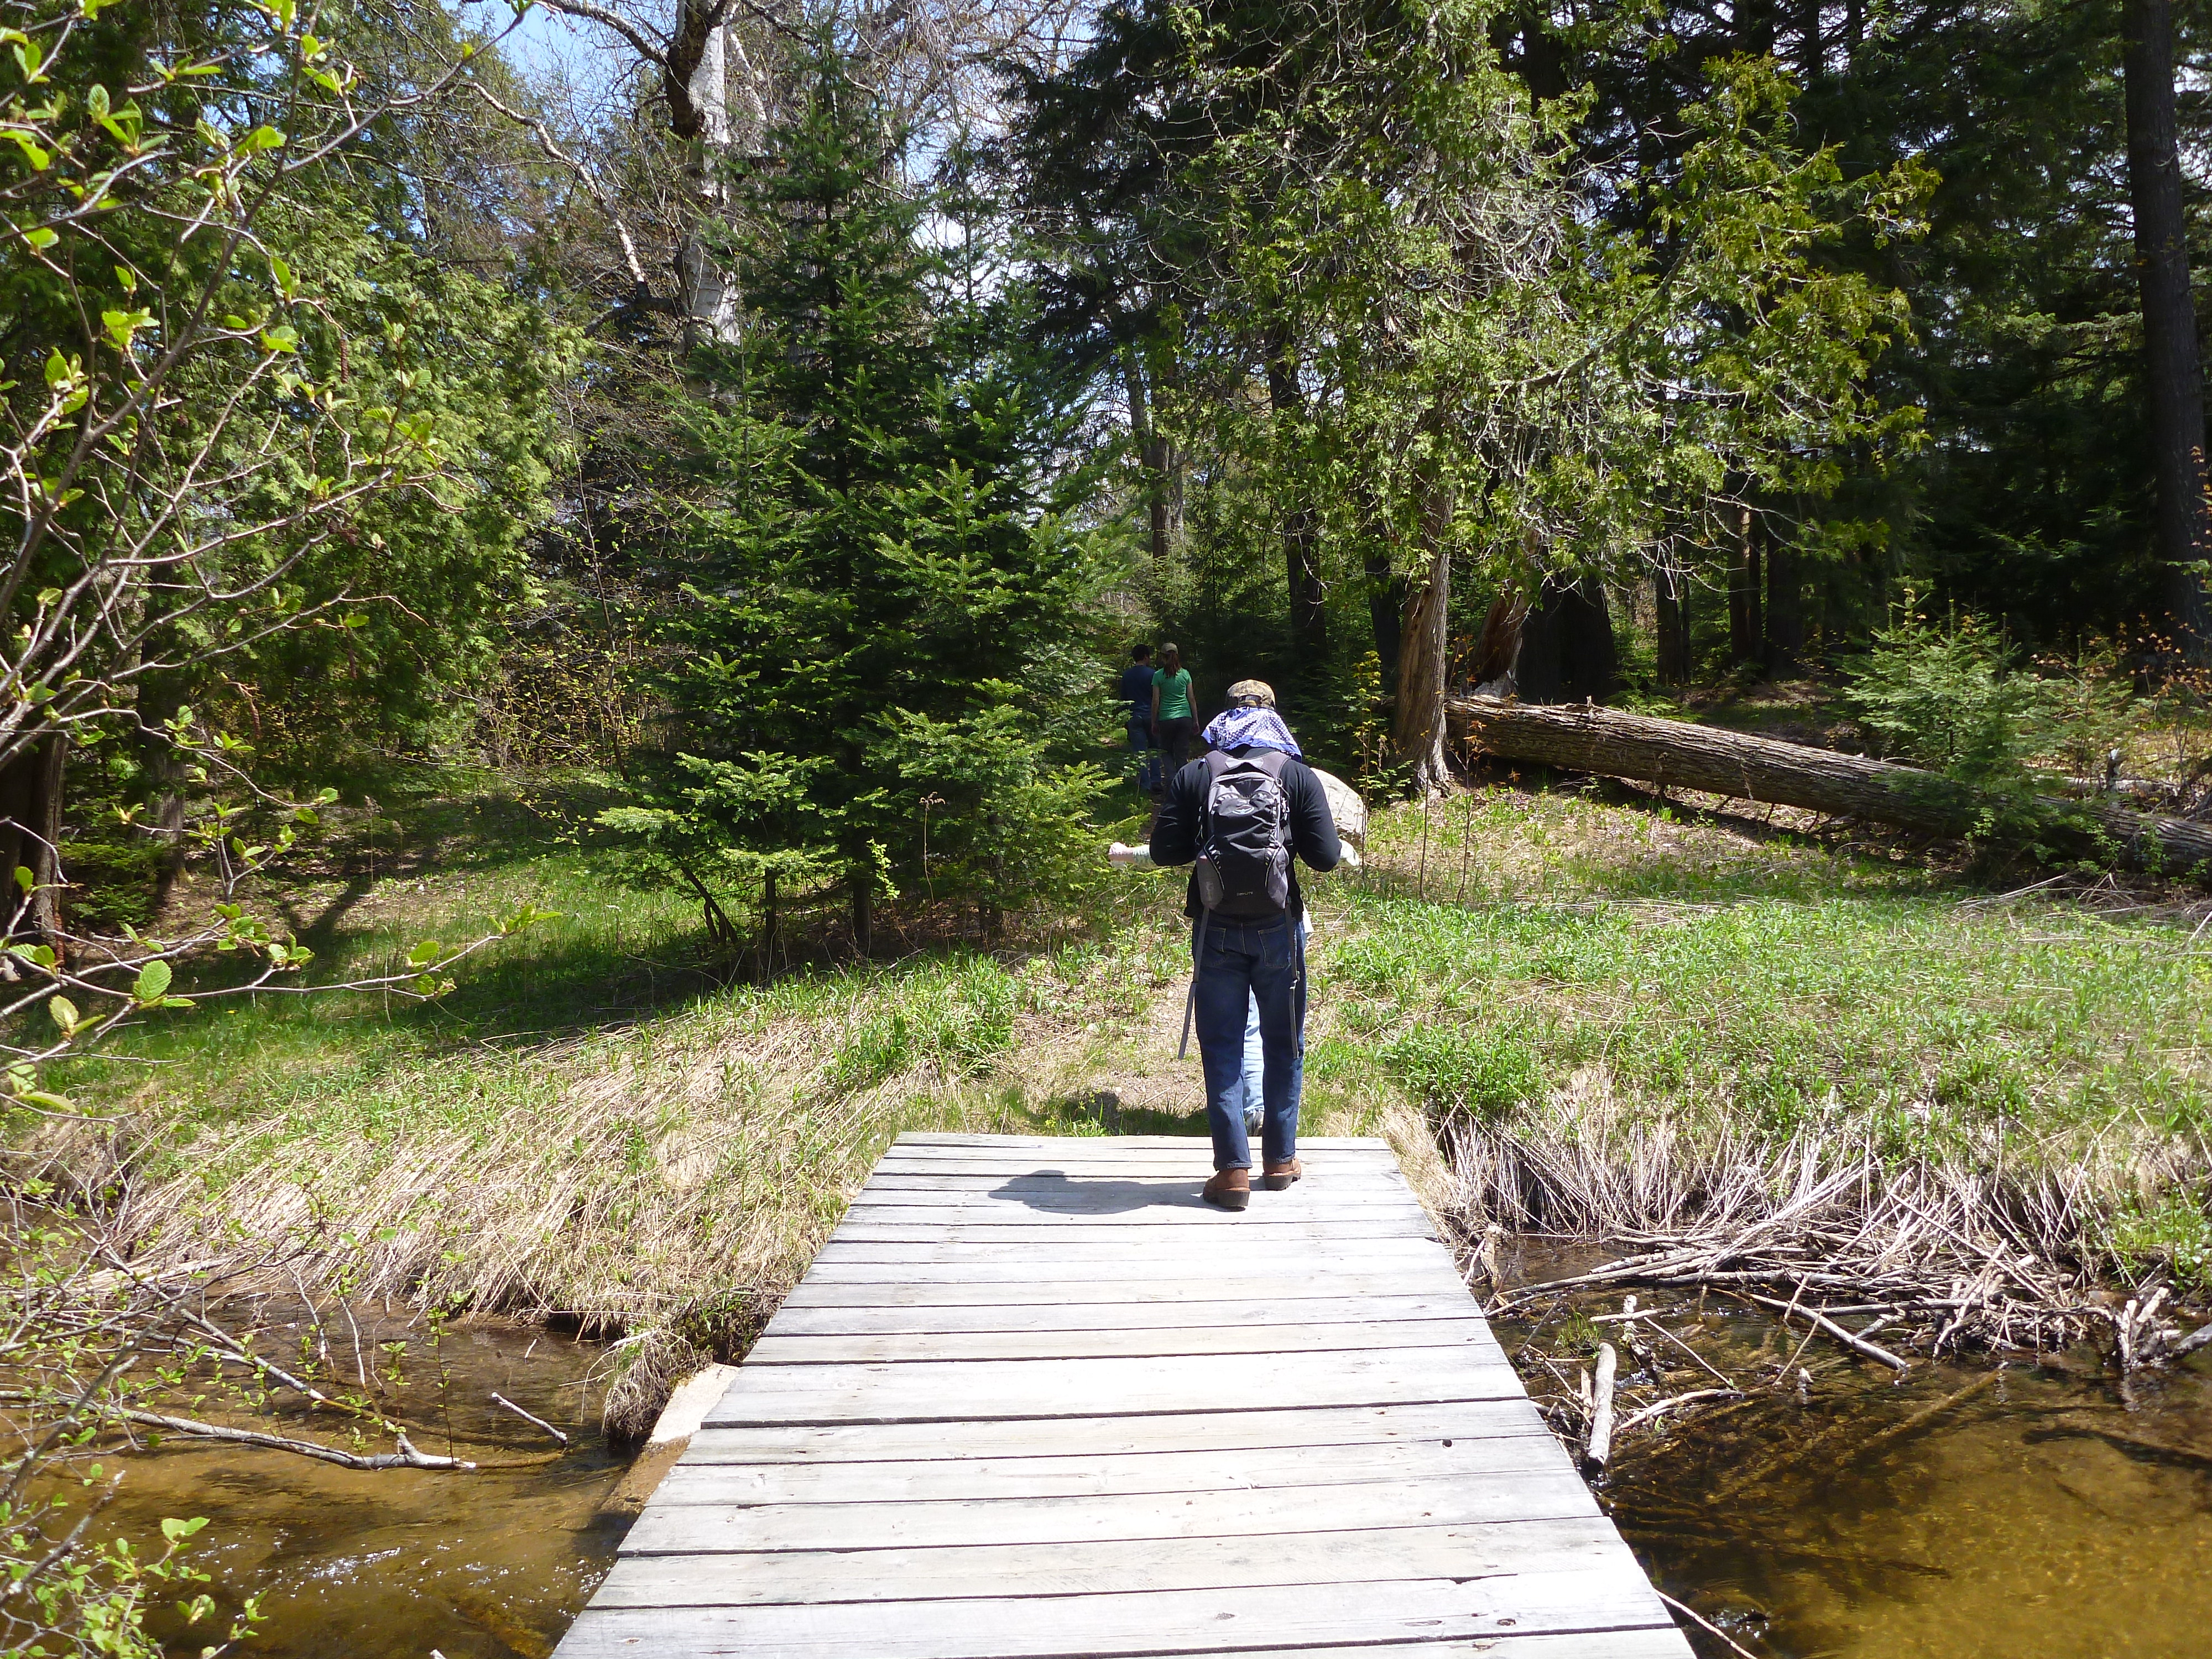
(709, 299)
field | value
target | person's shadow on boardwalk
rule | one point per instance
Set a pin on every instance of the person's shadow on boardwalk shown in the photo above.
(1052, 1191)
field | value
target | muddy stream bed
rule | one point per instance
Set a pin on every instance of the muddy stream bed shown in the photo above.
(2041, 1508)
(483, 1564)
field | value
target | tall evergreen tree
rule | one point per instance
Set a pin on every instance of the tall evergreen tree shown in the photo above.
(886, 580)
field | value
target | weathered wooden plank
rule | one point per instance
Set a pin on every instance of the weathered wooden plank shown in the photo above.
(1180, 1153)
(1033, 1400)
(929, 1392)
(1410, 1463)
(1652, 1643)
(878, 1288)
(1158, 1162)
(1610, 1595)
(1470, 1332)
(1544, 1494)
(1081, 1233)
(1178, 1170)
(1141, 1202)
(1140, 1282)
(1226, 1244)
(1272, 1431)
(1110, 1566)
(1340, 1183)
(1383, 1308)
(994, 1143)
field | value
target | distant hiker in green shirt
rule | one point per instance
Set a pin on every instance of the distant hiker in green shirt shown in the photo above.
(1174, 720)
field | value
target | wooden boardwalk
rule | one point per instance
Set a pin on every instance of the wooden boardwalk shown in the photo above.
(1034, 1398)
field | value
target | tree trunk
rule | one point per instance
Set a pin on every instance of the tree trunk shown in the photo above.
(1754, 21)
(2173, 386)
(710, 299)
(1301, 524)
(1743, 604)
(1786, 610)
(1677, 755)
(31, 788)
(1417, 718)
(1674, 607)
(1386, 606)
(1156, 455)
(1566, 650)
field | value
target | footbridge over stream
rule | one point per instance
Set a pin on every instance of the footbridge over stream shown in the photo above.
(1034, 1398)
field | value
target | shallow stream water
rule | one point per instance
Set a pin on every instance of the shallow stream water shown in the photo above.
(487, 1563)
(2040, 1510)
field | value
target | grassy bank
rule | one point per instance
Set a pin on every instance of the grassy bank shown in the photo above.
(593, 1125)
(1642, 1000)
(598, 1122)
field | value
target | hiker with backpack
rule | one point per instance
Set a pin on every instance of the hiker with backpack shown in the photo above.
(1241, 814)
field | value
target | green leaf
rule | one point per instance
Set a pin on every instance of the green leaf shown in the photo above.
(177, 1531)
(423, 954)
(41, 239)
(33, 152)
(153, 983)
(64, 1014)
(25, 879)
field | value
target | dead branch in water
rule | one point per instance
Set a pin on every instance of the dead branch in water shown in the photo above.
(405, 1458)
(505, 1404)
(1790, 1309)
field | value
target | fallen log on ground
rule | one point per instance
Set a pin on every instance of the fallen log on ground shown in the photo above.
(1675, 754)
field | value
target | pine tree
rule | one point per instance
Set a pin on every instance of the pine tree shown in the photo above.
(885, 575)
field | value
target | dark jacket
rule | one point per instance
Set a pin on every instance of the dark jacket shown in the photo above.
(1179, 833)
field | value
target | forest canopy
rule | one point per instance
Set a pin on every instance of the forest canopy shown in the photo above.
(798, 409)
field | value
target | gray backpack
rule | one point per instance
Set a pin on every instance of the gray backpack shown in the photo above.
(1244, 851)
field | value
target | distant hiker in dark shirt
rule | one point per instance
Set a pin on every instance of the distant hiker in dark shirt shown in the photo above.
(1175, 717)
(1137, 692)
(1244, 813)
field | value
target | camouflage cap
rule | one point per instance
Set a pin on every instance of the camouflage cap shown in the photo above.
(1251, 694)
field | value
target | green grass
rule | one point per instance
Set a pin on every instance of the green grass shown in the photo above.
(601, 1119)
(1714, 974)
(597, 1121)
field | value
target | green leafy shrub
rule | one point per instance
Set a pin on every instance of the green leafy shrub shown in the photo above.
(1462, 1070)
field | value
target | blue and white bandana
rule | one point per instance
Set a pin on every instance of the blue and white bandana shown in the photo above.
(1251, 728)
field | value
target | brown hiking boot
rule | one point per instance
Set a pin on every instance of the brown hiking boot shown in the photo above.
(1229, 1189)
(1281, 1176)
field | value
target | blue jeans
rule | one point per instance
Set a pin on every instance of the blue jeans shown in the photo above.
(1252, 1089)
(1148, 754)
(1240, 964)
